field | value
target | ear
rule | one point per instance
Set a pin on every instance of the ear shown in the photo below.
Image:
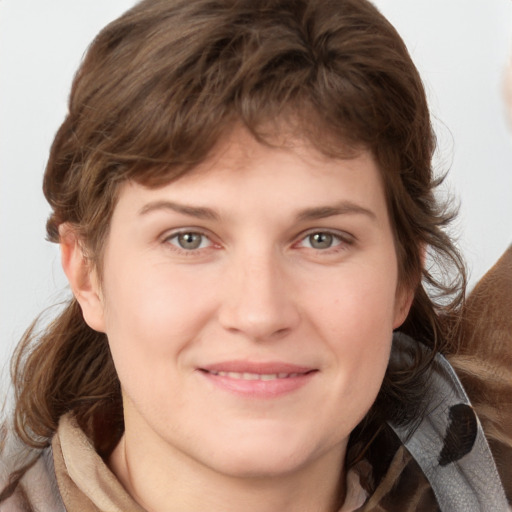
(82, 277)
(405, 294)
(403, 303)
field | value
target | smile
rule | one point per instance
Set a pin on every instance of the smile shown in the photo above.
(256, 376)
(257, 380)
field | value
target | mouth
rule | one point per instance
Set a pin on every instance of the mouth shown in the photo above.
(257, 376)
(258, 380)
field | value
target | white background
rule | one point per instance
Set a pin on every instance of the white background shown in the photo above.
(461, 47)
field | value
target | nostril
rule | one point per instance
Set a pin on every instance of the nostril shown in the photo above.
(281, 332)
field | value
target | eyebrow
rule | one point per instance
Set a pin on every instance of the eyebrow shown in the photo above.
(342, 208)
(193, 211)
(315, 213)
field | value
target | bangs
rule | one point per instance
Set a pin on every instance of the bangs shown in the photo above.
(150, 112)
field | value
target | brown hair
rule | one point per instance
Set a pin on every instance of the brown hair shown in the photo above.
(157, 90)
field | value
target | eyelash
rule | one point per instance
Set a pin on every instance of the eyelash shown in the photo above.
(341, 241)
(187, 252)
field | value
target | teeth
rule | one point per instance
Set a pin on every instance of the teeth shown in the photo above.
(249, 376)
(255, 376)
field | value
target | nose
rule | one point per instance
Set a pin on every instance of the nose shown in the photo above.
(259, 301)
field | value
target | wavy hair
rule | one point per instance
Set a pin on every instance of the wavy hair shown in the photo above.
(154, 94)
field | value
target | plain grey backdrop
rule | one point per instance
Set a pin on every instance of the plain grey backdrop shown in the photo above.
(462, 48)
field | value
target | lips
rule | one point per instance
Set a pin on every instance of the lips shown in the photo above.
(258, 380)
(256, 376)
(261, 368)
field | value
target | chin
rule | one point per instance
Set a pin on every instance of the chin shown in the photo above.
(264, 455)
(261, 465)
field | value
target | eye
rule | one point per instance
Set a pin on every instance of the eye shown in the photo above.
(189, 240)
(321, 240)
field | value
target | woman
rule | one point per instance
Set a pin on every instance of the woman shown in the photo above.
(243, 196)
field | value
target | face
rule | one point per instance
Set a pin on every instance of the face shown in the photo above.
(249, 306)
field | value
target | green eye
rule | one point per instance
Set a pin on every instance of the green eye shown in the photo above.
(321, 240)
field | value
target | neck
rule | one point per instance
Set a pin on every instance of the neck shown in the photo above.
(162, 479)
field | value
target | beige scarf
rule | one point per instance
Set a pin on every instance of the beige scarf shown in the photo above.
(87, 485)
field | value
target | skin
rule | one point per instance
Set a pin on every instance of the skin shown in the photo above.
(296, 264)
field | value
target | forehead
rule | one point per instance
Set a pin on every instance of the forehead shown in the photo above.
(243, 174)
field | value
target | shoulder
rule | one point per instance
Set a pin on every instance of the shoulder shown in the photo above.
(37, 489)
(483, 360)
(443, 460)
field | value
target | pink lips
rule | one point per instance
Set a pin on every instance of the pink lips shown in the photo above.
(258, 380)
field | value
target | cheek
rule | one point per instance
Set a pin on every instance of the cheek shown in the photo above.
(354, 315)
(153, 300)
(357, 304)
(151, 317)
(363, 340)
